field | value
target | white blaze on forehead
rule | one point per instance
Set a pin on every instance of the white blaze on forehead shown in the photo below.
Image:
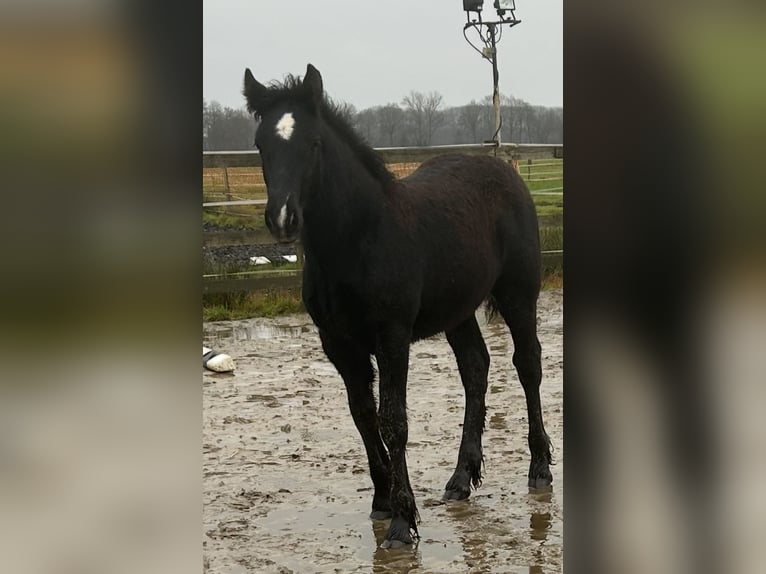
(285, 126)
(282, 216)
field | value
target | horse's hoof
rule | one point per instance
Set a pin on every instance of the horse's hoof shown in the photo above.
(398, 534)
(456, 494)
(540, 476)
(458, 487)
(380, 514)
(541, 483)
(394, 543)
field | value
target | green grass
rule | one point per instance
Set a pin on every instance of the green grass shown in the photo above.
(551, 238)
(550, 213)
(244, 217)
(549, 205)
(545, 186)
(242, 305)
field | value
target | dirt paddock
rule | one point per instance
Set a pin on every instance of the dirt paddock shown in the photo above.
(286, 482)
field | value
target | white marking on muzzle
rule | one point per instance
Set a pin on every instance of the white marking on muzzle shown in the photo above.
(282, 217)
(285, 126)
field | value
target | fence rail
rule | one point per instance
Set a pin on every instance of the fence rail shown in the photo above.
(403, 154)
(259, 280)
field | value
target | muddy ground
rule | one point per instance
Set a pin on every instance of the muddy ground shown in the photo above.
(286, 482)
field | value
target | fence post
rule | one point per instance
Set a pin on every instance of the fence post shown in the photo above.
(299, 255)
(226, 189)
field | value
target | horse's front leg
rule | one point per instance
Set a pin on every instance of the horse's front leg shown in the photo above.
(353, 365)
(392, 353)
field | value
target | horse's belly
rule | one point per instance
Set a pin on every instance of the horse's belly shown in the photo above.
(429, 323)
(445, 307)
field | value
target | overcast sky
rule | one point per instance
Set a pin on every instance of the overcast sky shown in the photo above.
(372, 53)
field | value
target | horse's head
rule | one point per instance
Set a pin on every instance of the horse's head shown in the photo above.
(288, 140)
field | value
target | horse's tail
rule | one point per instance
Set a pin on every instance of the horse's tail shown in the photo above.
(490, 309)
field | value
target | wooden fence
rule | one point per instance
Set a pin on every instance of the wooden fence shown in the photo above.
(275, 279)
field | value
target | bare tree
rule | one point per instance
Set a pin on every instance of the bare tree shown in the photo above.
(390, 122)
(449, 131)
(365, 123)
(420, 121)
(470, 120)
(547, 126)
(526, 112)
(425, 114)
(415, 105)
(225, 128)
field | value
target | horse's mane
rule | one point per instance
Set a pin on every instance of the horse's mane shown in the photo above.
(331, 113)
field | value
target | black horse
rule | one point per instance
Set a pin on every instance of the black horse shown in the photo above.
(392, 261)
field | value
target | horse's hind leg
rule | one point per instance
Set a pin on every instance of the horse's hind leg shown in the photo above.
(353, 365)
(520, 313)
(473, 363)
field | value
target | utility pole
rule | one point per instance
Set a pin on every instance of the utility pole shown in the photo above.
(495, 85)
(490, 34)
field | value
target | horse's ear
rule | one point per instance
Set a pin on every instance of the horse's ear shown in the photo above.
(313, 84)
(253, 91)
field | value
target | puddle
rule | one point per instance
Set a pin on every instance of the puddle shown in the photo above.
(227, 333)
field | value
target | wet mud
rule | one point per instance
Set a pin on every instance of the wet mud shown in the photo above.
(286, 482)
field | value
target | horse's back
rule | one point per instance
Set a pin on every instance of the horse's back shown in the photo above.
(479, 173)
(472, 195)
(474, 221)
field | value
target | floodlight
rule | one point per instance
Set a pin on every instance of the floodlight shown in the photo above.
(504, 5)
(472, 5)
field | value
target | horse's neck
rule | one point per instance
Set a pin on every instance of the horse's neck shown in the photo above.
(345, 202)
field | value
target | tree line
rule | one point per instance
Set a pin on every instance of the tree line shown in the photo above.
(420, 119)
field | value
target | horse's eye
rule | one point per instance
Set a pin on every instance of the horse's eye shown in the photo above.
(316, 144)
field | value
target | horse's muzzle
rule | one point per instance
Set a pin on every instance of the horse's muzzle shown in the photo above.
(284, 223)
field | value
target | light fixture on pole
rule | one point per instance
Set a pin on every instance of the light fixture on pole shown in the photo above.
(472, 5)
(503, 6)
(490, 37)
